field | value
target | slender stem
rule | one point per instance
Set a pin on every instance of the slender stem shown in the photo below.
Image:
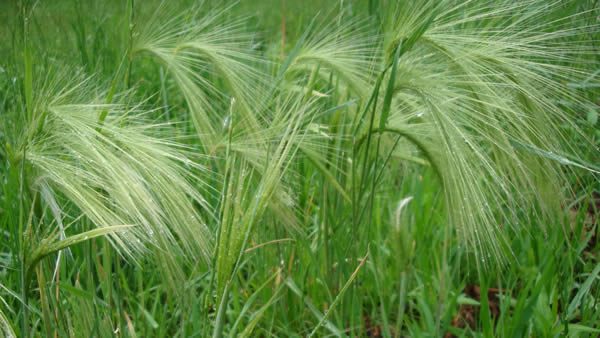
(283, 29)
(28, 89)
(22, 249)
(27, 62)
(340, 294)
(44, 299)
(130, 26)
(24, 292)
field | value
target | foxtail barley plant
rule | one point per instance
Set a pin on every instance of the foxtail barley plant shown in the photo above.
(277, 168)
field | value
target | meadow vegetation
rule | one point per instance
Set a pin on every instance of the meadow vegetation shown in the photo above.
(299, 168)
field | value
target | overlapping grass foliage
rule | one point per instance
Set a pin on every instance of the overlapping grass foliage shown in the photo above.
(257, 169)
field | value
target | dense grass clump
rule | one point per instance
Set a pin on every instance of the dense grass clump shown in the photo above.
(314, 168)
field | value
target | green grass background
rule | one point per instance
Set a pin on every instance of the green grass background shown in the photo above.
(355, 265)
